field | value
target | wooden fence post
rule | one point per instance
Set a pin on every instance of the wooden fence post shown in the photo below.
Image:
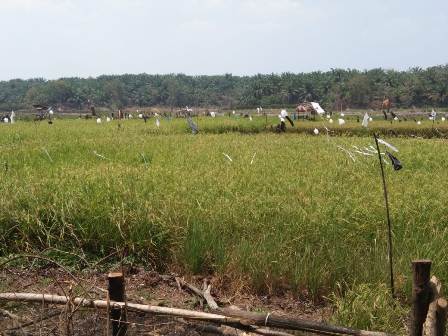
(116, 291)
(421, 295)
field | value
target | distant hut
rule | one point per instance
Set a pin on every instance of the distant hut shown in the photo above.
(307, 110)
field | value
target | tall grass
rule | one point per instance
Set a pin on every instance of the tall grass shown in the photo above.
(301, 216)
(369, 306)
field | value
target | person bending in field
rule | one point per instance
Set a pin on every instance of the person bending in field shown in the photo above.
(283, 116)
(281, 127)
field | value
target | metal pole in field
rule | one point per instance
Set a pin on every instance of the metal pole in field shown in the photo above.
(389, 226)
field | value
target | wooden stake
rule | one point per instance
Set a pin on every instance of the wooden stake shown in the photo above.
(442, 306)
(429, 328)
(421, 295)
(116, 291)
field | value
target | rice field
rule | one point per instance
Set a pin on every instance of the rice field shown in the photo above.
(273, 211)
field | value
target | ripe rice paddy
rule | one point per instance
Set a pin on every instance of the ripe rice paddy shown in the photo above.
(288, 211)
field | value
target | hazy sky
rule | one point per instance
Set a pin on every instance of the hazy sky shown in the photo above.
(65, 38)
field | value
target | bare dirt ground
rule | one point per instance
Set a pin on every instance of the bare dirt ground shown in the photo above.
(141, 287)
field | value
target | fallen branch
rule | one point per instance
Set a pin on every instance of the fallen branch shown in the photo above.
(103, 304)
(235, 318)
(205, 294)
(270, 320)
(209, 298)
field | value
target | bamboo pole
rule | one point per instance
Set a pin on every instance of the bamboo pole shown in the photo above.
(389, 225)
(421, 295)
(235, 318)
(102, 304)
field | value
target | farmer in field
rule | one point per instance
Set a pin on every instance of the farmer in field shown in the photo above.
(386, 108)
(282, 126)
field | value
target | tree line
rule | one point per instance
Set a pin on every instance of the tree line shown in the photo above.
(334, 89)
